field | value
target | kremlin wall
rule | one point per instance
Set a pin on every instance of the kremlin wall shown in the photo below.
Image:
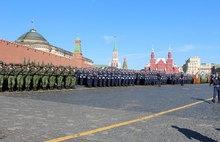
(34, 48)
(25, 49)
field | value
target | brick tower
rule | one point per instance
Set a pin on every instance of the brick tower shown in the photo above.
(77, 53)
(152, 60)
(169, 61)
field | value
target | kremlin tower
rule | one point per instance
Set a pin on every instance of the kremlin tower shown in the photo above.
(77, 47)
(115, 63)
(125, 66)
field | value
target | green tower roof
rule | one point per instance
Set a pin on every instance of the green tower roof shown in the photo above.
(115, 45)
(125, 66)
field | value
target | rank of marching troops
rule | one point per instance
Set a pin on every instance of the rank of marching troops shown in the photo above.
(99, 77)
(18, 77)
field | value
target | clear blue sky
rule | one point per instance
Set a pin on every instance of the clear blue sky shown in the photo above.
(191, 27)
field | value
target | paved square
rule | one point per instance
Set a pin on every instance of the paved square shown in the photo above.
(104, 114)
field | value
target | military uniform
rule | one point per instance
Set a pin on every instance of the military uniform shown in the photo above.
(89, 78)
(60, 75)
(19, 77)
(112, 78)
(67, 78)
(73, 75)
(2, 76)
(52, 77)
(104, 78)
(100, 78)
(36, 78)
(11, 77)
(95, 79)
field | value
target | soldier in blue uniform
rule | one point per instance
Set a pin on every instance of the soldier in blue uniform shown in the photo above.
(89, 78)
(173, 79)
(216, 83)
(100, 75)
(148, 79)
(129, 78)
(137, 78)
(108, 78)
(182, 79)
(104, 77)
(112, 78)
(116, 78)
(95, 74)
(133, 79)
(123, 78)
(119, 78)
(158, 79)
(80, 72)
(126, 78)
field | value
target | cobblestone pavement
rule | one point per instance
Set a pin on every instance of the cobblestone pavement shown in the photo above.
(47, 115)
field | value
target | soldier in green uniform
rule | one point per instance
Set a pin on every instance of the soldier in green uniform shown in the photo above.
(36, 78)
(60, 75)
(2, 76)
(73, 78)
(45, 77)
(28, 77)
(19, 77)
(11, 77)
(67, 77)
(52, 77)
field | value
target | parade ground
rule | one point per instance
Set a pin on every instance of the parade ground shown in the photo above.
(171, 113)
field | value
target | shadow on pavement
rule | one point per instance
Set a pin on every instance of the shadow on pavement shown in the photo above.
(199, 99)
(217, 129)
(193, 134)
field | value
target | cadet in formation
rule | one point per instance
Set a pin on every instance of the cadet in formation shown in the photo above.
(108, 77)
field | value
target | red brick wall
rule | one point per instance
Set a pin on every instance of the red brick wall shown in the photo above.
(15, 53)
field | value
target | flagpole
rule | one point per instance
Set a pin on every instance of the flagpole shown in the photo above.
(32, 21)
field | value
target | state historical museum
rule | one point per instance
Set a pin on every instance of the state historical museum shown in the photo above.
(161, 64)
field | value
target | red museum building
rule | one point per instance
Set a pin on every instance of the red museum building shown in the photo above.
(161, 64)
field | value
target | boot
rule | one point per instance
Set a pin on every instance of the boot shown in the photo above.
(1, 90)
(213, 100)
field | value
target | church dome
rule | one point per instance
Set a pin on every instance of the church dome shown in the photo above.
(32, 37)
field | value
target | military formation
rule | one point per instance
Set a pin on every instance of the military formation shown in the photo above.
(20, 77)
(108, 77)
